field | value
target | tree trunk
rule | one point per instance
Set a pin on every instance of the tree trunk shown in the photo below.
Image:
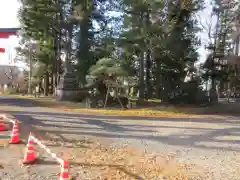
(46, 84)
(148, 61)
(40, 87)
(158, 80)
(52, 85)
(166, 89)
(141, 65)
(141, 70)
(148, 74)
(55, 63)
(84, 61)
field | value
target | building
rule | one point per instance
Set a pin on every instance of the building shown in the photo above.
(9, 76)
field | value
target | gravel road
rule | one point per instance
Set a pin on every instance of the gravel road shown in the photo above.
(213, 145)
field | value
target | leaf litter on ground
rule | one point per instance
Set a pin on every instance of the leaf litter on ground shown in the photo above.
(98, 162)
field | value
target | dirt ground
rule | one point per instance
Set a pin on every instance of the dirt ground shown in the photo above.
(111, 147)
(89, 161)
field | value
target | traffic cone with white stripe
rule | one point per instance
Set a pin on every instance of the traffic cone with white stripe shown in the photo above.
(15, 139)
(30, 156)
(64, 175)
(2, 126)
(2, 116)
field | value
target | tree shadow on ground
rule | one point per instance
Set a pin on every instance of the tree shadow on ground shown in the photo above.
(68, 115)
(104, 129)
(28, 125)
(17, 102)
(41, 161)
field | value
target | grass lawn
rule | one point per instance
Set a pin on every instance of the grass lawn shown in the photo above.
(158, 111)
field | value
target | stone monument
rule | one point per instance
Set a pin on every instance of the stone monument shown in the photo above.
(67, 89)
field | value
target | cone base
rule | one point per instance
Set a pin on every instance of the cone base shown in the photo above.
(15, 142)
(29, 162)
(3, 127)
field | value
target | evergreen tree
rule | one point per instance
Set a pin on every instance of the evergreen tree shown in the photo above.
(154, 42)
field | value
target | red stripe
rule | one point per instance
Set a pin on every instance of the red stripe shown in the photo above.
(2, 50)
(7, 34)
(65, 164)
(30, 148)
(64, 175)
(30, 142)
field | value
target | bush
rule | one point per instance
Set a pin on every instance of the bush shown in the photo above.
(10, 91)
(15, 90)
(190, 93)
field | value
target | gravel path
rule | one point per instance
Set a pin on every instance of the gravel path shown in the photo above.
(213, 145)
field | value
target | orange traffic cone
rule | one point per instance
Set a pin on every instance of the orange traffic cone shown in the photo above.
(64, 175)
(15, 139)
(30, 156)
(2, 127)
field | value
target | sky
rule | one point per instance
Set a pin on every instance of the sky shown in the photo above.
(205, 17)
(8, 19)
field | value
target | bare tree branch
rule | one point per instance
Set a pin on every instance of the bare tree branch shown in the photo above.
(208, 27)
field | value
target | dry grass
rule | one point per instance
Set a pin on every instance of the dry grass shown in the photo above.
(79, 107)
(158, 111)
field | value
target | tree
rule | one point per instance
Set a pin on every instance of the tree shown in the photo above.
(105, 71)
(152, 41)
(219, 47)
